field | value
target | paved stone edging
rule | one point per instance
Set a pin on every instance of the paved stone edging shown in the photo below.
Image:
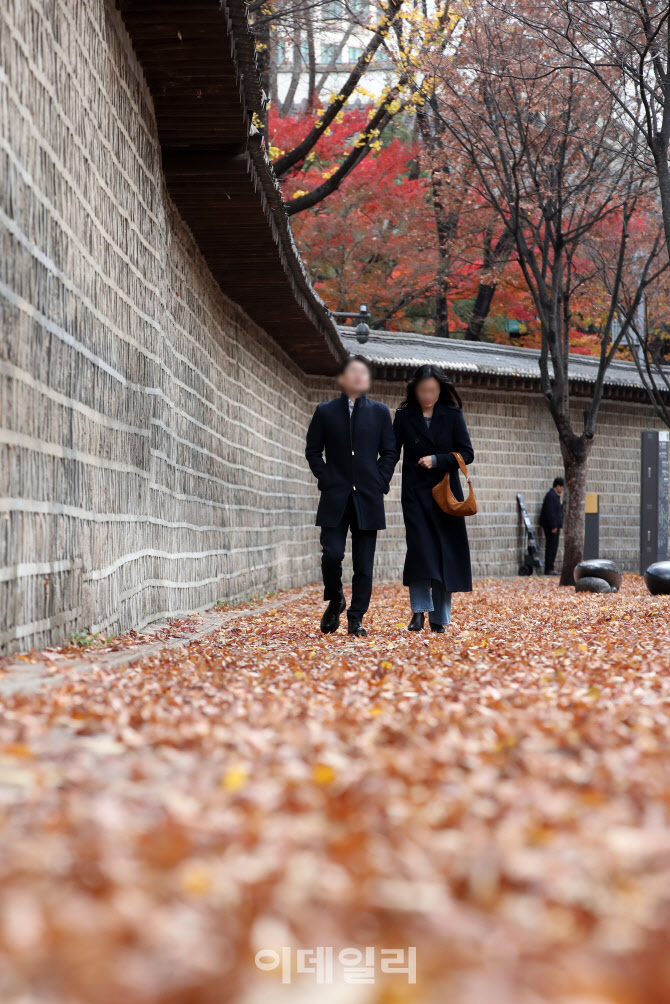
(27, 677)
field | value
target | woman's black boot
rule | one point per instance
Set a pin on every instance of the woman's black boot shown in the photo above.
(437, 627)
(416, 623)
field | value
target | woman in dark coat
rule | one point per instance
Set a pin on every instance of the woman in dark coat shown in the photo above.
(429, 427)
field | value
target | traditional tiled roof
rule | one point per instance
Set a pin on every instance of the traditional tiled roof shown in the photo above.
(395, 353)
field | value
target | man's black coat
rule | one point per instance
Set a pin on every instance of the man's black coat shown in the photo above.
(551, 514)
(360, 458)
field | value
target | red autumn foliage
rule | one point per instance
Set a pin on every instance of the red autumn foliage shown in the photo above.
(374, 240)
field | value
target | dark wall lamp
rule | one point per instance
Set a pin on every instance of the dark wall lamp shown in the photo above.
(363, 327)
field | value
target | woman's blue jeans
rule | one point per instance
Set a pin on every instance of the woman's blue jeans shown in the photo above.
(437, 606)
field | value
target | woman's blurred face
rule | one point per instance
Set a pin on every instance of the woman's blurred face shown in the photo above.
(427, 392)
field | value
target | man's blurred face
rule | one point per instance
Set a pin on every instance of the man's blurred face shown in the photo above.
(355, 380)
(559, 489)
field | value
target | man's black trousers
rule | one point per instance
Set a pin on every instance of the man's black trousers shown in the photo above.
(550, 549)
(363, 543)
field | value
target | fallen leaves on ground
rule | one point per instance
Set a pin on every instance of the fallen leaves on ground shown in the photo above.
(497, 796)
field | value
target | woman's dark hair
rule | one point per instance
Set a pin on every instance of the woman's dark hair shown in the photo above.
(448, 393)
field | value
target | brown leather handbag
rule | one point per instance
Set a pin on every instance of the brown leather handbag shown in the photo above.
(446, 499)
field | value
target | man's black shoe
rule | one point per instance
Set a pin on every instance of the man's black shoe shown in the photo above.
(437, 627)
(354, 626)
(331, 615)
(416, 623)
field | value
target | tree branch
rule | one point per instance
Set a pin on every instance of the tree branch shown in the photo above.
(293, 157)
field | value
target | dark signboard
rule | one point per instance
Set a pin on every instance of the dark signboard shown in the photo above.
(654, 473)
(591, 527)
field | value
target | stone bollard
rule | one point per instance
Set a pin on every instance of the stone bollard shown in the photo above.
(590, 584)
(657, 578)
(599, 568)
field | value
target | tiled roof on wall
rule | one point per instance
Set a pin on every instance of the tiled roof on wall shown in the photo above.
(403, 351)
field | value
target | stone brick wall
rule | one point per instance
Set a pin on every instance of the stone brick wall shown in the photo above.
(151, 449)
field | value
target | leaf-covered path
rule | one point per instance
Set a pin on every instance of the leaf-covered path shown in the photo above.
(497, 797)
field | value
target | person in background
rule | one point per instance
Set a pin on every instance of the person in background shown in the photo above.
(551, 521)
(429, 425)
(356, 435)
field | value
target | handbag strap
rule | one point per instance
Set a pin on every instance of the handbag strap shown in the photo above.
(461, 464)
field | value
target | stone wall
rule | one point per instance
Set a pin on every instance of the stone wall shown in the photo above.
(151, 450)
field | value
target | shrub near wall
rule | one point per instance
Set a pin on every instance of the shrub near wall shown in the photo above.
(152, 440)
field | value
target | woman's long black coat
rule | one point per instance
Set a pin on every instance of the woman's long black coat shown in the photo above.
(437, 544)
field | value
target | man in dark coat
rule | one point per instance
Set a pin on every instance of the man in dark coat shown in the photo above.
(551, 521)
(356, 435)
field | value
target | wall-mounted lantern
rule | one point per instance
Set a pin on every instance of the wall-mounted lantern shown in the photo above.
(363, 327)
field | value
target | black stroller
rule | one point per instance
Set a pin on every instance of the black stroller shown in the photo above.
(531, 559)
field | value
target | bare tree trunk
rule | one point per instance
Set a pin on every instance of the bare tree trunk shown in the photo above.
(575, 462)
(334, 60)
(287, 103)
(442, 304)
(273, 77)
(311, 60)
(495, 259)
(660, 152)
(446, 223)
(480, 310)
